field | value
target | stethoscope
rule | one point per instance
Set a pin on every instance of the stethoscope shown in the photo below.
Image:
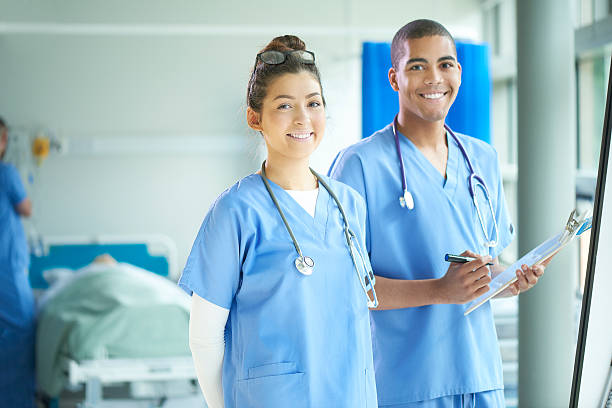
(406, 199)
(305, 264)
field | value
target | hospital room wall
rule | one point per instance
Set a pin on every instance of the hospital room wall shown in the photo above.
(149, 98)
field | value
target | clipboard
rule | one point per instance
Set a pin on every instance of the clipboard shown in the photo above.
(576, 225)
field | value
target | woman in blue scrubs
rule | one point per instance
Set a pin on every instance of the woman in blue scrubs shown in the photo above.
(278, 331)
(17, 325)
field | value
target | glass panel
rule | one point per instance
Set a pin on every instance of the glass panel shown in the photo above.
(592, 86)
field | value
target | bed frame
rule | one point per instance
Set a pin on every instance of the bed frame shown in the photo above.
(155, 253)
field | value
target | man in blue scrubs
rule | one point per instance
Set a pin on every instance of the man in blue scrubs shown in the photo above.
(17, 325)
(427, 353)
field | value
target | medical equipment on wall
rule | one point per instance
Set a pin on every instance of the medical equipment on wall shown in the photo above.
(474, 181)
(42, 144)
(40, 148)
(305, 264)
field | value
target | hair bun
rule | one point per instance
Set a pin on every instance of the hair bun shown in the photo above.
(285, 43)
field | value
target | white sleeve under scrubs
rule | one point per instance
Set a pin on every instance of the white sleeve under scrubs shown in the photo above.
(290, 340)
(428, 352)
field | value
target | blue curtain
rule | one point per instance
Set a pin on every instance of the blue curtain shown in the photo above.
(470, 114)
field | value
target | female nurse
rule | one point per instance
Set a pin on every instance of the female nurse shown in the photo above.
(279, 283)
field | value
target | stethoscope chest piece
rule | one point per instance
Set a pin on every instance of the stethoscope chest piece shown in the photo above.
(304, 265)
(406, 200)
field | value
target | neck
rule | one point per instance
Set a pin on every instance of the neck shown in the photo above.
(424, 134)
(290, 174)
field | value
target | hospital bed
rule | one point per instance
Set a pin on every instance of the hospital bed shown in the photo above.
(103, 325)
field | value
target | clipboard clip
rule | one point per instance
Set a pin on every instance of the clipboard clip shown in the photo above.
(576, 225)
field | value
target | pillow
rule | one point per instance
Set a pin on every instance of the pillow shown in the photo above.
(56, 275)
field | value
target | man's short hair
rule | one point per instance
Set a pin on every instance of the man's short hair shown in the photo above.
(2, 123)
(416, 29)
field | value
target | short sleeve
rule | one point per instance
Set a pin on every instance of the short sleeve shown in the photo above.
(502, 217)
(213, 266)
(15, 189)
(347, 168)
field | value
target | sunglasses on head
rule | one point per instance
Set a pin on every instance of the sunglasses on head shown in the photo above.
(273, 57)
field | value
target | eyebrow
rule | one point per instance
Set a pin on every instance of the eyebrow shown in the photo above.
(445, 58)
(291, 97)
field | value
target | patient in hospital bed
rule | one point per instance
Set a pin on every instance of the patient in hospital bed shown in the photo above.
(107, 310)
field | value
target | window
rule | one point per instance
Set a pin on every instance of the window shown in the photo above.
(592, 74)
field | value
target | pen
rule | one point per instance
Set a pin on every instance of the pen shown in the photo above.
(461, 259)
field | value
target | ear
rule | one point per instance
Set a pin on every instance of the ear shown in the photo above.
(460, 71)
(253, 119)
(393, 79)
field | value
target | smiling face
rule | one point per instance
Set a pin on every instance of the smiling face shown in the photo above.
(427, 78)
(292, 117)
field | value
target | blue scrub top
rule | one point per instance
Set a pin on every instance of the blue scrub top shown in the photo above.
(16, 304)
(290, 340)
(17, 324)
(423, 353)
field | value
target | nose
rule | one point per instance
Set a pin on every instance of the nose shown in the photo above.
(433, 76)
(301, 117)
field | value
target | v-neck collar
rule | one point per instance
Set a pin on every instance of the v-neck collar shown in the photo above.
(295, 213)
(448, 184)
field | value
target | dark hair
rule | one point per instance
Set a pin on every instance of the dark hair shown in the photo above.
(264, 73)
(2, 123)
(416, 29)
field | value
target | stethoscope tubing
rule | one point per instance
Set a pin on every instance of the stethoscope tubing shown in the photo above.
(280, 211)
(473, 176)
(348, 233)
(461, 147)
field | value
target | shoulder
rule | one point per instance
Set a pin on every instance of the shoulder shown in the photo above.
(367, 152)
(8, 168)
(477, 148)
(234, 200)
(375, 143)
(340, 188)
(347, 195)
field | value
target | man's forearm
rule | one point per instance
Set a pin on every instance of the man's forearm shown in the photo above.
(403, 293)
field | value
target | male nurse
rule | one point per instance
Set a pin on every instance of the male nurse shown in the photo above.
(427, 353)
(17, 324)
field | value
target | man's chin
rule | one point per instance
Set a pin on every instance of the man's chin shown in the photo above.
(434, 117)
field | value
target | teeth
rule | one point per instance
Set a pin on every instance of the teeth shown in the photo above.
(300, 135)
(433, 95)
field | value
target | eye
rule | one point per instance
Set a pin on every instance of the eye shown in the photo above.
(416, 68)
(447, 65)
(314, 104)
(284, 106)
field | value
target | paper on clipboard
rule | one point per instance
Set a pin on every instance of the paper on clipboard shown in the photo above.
(575, 226)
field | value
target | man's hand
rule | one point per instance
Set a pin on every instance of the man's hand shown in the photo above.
(527, 277)
(464, 282)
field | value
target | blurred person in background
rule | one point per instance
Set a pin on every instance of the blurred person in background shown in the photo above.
(17, 321)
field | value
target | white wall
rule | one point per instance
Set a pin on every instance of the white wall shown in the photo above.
(170, 76)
